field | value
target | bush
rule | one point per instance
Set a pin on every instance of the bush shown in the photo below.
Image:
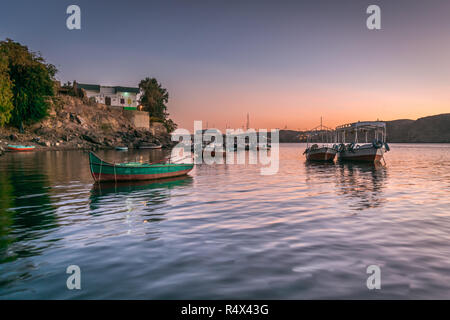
(6, 94)
(32, 80)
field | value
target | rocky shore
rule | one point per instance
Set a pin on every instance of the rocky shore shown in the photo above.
(75, 123)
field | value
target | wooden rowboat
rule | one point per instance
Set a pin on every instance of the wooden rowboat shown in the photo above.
(323, 152)
(19, 148)
(316, 153)
(134, 171)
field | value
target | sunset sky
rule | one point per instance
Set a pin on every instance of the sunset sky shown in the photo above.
(287, 63)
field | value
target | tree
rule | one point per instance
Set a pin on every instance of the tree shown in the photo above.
(170, 125)
(32, 80)
(154, 98)
(6, 94)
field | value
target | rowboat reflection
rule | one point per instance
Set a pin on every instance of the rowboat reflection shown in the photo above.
(137, 192)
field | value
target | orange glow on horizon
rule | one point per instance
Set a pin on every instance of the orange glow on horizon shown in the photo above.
(302, 110)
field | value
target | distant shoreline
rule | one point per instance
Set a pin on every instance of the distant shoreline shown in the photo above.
(432, 129)
(298, 142)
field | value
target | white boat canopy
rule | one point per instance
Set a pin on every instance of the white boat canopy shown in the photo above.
(378, 127)
(362, 125)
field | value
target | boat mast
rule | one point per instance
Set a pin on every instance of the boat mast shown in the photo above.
(321, 129)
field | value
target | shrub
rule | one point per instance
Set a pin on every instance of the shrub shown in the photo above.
(32, 80)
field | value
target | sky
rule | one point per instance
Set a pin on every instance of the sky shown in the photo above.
(286, 63)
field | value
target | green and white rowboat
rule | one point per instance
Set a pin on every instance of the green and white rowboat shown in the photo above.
(134, 171)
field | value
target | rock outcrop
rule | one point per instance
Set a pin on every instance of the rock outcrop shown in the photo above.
(74, 123)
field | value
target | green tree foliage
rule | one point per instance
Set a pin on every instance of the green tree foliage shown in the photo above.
(170, 125)
(6, 94)
(154, 99)
(32, 80)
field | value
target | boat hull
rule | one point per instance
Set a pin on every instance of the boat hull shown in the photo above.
(321, 154)
(150, 147)
(362, 155)
(20, 148)
(104, 171)
(100, 177)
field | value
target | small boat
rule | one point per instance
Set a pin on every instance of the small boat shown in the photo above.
(365, 152)
(214, 149)
(263, 146)
(325, 152)
(316, 153)
(20, 148)
(150, 146)
(134, 171)
(122, 148)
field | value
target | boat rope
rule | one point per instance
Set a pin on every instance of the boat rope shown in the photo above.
(100, 173)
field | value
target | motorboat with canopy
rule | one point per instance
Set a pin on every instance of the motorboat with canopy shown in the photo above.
(373, 133)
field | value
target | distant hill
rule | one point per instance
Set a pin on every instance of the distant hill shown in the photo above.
(428, 129)
(432, 129)
(290, 136)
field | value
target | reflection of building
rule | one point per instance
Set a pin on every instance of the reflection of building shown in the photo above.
(125, 97)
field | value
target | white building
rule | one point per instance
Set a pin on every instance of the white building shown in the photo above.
(124, 97)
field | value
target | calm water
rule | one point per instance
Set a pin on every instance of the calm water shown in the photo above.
(309, 231)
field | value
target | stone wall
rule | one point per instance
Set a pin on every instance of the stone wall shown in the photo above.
(140, 119)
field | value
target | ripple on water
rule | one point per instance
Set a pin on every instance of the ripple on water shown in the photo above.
(309, 231)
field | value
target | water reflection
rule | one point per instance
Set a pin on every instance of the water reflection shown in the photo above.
(319, 173)
(26, 211)
(216, 235)
(319, 166)
(362, 183)
(148, 195)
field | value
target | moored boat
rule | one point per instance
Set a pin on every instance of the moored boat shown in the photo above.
(134, 171)
(316, 153)
(150, 146)
(263, 146)
(365, 152)
(325, 152)
(20, 148)
(122, 148)
(214, 149)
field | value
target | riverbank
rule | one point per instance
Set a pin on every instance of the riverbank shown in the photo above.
(75, 123)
